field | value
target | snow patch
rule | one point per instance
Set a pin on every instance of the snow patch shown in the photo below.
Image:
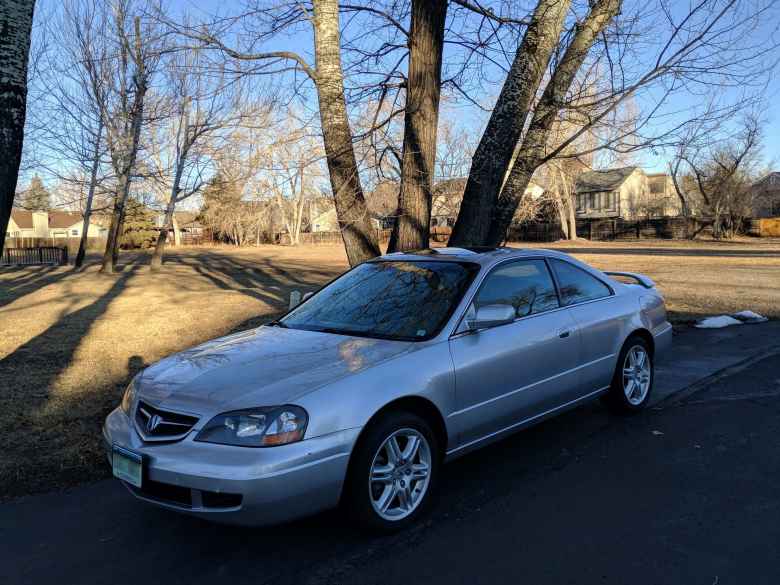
(749, 317)
(717, 322)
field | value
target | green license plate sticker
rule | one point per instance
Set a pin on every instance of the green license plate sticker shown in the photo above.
(127, 466)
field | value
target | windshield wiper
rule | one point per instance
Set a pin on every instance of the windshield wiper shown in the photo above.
(276, 323)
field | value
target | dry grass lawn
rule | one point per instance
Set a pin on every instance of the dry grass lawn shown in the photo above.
(71, 340)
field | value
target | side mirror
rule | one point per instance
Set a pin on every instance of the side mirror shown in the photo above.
(492, 315)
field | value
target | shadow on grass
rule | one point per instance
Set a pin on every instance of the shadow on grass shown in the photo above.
(27, 376)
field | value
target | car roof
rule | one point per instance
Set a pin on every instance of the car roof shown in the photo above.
(477, 255)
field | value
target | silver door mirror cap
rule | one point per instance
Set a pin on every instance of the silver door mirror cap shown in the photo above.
(491, 316)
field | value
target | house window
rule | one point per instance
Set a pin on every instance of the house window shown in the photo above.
(74, 232)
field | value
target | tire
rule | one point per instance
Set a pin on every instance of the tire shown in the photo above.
(631, 393)
(398, 486)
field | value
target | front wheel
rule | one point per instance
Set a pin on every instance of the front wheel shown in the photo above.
(394, 473)
(633, 379)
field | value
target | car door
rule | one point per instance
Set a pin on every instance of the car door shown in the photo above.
(515, 371)
(593, 306)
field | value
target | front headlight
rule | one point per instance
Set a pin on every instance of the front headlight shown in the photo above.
(256, 427)
(128, 397)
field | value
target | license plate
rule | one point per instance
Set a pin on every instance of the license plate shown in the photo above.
(127, 466)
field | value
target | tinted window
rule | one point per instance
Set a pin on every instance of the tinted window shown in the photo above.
(576, 285)
(389, 300)
(526, 285)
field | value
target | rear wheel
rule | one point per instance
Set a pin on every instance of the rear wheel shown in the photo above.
(632, 382)
(394, 472)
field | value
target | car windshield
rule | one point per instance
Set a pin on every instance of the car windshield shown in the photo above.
(387, 299)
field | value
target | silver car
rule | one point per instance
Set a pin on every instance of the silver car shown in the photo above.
(361, 392)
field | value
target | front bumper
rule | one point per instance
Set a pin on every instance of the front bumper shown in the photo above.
(258, 485)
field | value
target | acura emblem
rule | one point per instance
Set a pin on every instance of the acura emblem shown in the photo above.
(154, 421)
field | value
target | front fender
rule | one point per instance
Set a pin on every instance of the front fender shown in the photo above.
(350, 403)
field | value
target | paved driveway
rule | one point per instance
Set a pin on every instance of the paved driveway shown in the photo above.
(683, 493)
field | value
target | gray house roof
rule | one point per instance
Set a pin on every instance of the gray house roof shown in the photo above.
(607, 180)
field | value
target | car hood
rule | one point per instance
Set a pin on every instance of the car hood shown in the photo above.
(262, 367)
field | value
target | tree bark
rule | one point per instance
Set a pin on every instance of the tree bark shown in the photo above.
(536, 139)
(572, 217)
(90, 196)
(494, 153)
(359, 237)
(15, 28)
(162, 237)
(423, 89)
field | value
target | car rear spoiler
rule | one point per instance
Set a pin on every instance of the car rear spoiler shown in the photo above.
(640, 279)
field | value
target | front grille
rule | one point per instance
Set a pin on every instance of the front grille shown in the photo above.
(166, 493)
(182, 497)
(155, 424)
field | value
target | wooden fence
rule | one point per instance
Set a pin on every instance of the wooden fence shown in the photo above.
(674, 228)
(50, 255)
(328, 237)
(765, 228)
(72, 244)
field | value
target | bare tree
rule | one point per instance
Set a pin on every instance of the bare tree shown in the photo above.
(721, 176)
(423, 86)
(293, 164)
(507, 121)
(709, 45)
(204, 104)
(16, 25)
(120, 56)
(327, 74)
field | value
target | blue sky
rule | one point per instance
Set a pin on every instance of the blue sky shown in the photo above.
(677, 108)
(462, 113)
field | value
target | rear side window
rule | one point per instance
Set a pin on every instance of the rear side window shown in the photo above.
(526, 285)
(576, 285)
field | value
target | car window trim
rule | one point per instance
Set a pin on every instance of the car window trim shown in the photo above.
(551, 268)
(478, 287)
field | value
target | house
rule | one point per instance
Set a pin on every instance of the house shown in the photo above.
(626, 193)
(50, 224)
(766, 196)
(66, 224)
(325, 221)
(448, 195)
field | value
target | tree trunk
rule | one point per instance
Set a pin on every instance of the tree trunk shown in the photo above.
(90, 195)
(536, 139)
(426, 42)
(15, 27)
(359, 238)
(562, 217)
(117, 219)
(570, 208)
(162, 237)
(494, 153)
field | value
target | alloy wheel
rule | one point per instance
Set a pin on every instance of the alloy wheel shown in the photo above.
(636, 375)
(400, 474)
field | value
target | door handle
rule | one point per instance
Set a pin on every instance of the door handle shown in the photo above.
(564, 333)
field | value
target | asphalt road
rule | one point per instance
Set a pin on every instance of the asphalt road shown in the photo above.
(686, 492)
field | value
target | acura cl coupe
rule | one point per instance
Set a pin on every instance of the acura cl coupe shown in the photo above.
(360, 393)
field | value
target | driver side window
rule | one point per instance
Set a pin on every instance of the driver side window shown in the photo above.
(525, 284)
